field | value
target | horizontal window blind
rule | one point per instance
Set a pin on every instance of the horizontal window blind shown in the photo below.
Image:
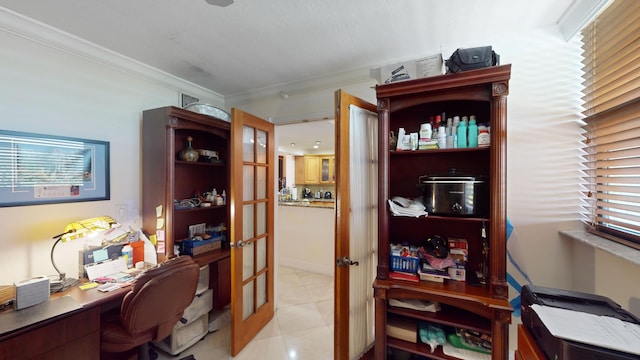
(611, 45)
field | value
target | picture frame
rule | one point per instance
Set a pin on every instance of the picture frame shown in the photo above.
(38, 169)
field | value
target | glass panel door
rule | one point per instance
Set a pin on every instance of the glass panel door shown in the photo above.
(252, 212)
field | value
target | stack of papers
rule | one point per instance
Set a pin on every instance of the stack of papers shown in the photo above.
(400, 206)
(597, 330)
(415, 304)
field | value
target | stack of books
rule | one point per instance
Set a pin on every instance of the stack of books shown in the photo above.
(459, 252)
(400, 275)
(427, 273)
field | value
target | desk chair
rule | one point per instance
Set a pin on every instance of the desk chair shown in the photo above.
(155, 303)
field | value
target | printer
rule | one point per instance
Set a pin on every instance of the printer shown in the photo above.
(563, 349)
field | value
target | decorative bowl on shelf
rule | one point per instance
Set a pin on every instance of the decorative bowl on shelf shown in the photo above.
(210, 110)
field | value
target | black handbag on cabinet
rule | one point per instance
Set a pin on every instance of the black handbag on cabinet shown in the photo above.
(472, 58)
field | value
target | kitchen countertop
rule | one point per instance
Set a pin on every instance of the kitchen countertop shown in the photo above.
(316, 203)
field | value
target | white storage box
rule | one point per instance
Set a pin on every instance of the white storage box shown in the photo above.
(185, 335)
(200, 305)
(203, 280)
(409, 70)
(197, 326)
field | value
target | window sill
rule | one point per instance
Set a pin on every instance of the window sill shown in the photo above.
(624, 252)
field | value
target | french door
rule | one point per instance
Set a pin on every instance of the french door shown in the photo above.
(252, 226)
(356, 225)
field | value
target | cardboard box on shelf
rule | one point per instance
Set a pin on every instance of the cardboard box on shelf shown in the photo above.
(402, 328)
(413, 69)
(459, 252)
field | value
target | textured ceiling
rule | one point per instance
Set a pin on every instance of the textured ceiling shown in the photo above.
(258, 44)
(255, 45)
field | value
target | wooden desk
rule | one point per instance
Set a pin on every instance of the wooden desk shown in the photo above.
(219, 262)
(66, 327)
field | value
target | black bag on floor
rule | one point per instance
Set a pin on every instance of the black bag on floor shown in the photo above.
(472, 58)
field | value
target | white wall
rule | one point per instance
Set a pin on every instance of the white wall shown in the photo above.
(48, 89)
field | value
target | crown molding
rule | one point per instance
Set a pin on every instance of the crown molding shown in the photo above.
(306, 86)
(33, 30)
(578, 14)
(46, 35)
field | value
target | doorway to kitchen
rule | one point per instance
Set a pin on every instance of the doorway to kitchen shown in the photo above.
(306, 210)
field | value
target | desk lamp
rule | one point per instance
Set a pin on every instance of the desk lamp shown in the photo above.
(76, 230)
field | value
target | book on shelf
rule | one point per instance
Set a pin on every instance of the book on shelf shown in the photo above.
(433, 277)
(399, 275)
(427, 273)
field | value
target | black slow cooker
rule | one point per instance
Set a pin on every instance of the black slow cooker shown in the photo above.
(455, 194)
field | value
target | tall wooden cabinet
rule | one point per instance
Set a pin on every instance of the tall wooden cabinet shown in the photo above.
(471, 305)
(167, 181)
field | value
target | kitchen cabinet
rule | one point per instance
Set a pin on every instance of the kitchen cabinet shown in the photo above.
(479, 303)
(311, 170)
(307, 170)
(169, 184)
(327, 170)
(299, 169)
(315, 169)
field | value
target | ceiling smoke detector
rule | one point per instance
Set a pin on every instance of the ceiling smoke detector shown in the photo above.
(222, 3)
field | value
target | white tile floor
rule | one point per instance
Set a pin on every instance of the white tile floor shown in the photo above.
(302, 327)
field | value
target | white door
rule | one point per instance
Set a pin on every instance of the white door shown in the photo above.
(356, 236)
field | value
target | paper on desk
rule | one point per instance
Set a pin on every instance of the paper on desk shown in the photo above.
(114, 234)
(150, 256)
(604, 331)
(106, 268)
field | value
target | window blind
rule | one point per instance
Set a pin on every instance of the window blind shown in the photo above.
(611, 48)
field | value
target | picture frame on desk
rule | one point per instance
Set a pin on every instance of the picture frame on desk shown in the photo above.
(48, 169)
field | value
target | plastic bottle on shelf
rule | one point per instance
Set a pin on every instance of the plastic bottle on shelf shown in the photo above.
(454, 131)
(442, 137)
(425, 132)
(472, 132)
(438, 124)
(399, 145)
(449, 141)
(484, 139)
(424, 136)
(462, 134)
(127, 251)
(224, 197)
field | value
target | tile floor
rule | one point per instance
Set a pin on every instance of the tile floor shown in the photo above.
(302, 327)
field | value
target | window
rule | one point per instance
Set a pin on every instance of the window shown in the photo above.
(612, 123)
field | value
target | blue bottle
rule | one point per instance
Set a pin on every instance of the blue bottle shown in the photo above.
(472, 132)
(462, 134)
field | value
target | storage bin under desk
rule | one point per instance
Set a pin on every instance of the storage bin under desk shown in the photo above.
(196, 327)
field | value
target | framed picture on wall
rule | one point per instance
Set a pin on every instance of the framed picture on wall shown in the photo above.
(47, 169)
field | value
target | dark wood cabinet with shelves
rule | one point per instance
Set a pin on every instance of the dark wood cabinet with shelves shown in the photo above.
(475, 304)
(167, 179)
